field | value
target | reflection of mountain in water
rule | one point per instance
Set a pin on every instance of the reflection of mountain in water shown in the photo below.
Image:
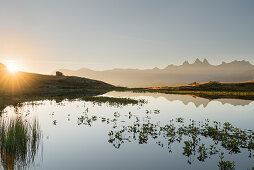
(185, 99)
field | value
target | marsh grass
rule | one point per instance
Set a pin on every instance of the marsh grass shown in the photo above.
(19, 142)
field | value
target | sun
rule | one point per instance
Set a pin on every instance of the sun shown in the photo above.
(12, 67)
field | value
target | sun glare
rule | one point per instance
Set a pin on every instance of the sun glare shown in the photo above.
(12, 67)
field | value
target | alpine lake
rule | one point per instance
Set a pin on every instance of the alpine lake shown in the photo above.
(160, 131)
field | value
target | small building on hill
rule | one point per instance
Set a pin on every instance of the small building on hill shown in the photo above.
(58, 73)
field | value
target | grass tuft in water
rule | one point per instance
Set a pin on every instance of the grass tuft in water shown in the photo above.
(19, 142)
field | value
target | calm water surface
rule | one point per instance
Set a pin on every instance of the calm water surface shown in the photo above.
(85, 135)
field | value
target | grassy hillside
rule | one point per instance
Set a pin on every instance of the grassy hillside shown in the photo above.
(210, 90)
(213, 86)
(29, 84)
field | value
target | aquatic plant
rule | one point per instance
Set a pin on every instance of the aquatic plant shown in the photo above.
(19, 142)
(224, 135)
(193, 135)
(86, 120)
(225, 165)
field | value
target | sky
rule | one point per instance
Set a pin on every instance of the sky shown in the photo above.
(44, 35)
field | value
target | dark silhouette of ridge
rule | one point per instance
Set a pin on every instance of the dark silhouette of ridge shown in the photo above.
(23, 83)
(172, 75)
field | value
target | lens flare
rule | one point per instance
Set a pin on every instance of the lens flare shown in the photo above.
(12, 67)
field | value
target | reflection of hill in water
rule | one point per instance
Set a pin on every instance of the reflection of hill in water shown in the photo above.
(185, 99)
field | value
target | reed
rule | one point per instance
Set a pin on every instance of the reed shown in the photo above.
(19, 142)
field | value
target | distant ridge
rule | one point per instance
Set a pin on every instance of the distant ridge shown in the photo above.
(198, 71)
(205, 62)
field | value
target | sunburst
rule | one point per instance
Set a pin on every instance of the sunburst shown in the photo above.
(12, 67)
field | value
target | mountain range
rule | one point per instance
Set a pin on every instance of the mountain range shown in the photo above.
(172, 75)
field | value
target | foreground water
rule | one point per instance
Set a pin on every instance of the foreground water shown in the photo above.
(86, 135)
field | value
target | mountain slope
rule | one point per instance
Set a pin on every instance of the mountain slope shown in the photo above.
(199, 71)
(31, 83)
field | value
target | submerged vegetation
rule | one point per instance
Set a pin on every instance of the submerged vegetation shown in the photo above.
(231, 138)
(199, 139)
(19, 142)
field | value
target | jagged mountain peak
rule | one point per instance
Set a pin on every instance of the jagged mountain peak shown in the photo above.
(170, 66)
(155, 68)
(197, 61)
(223, 63)
(202, 71)
(237, 63)
(205, 61)
(186, 63)
(242, 62)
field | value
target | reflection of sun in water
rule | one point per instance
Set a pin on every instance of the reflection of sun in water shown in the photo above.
(12, 67)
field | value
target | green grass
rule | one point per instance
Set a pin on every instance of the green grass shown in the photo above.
(209, 94)
(209, 90)
(19, 142)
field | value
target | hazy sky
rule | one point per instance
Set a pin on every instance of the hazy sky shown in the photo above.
(42, 35)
